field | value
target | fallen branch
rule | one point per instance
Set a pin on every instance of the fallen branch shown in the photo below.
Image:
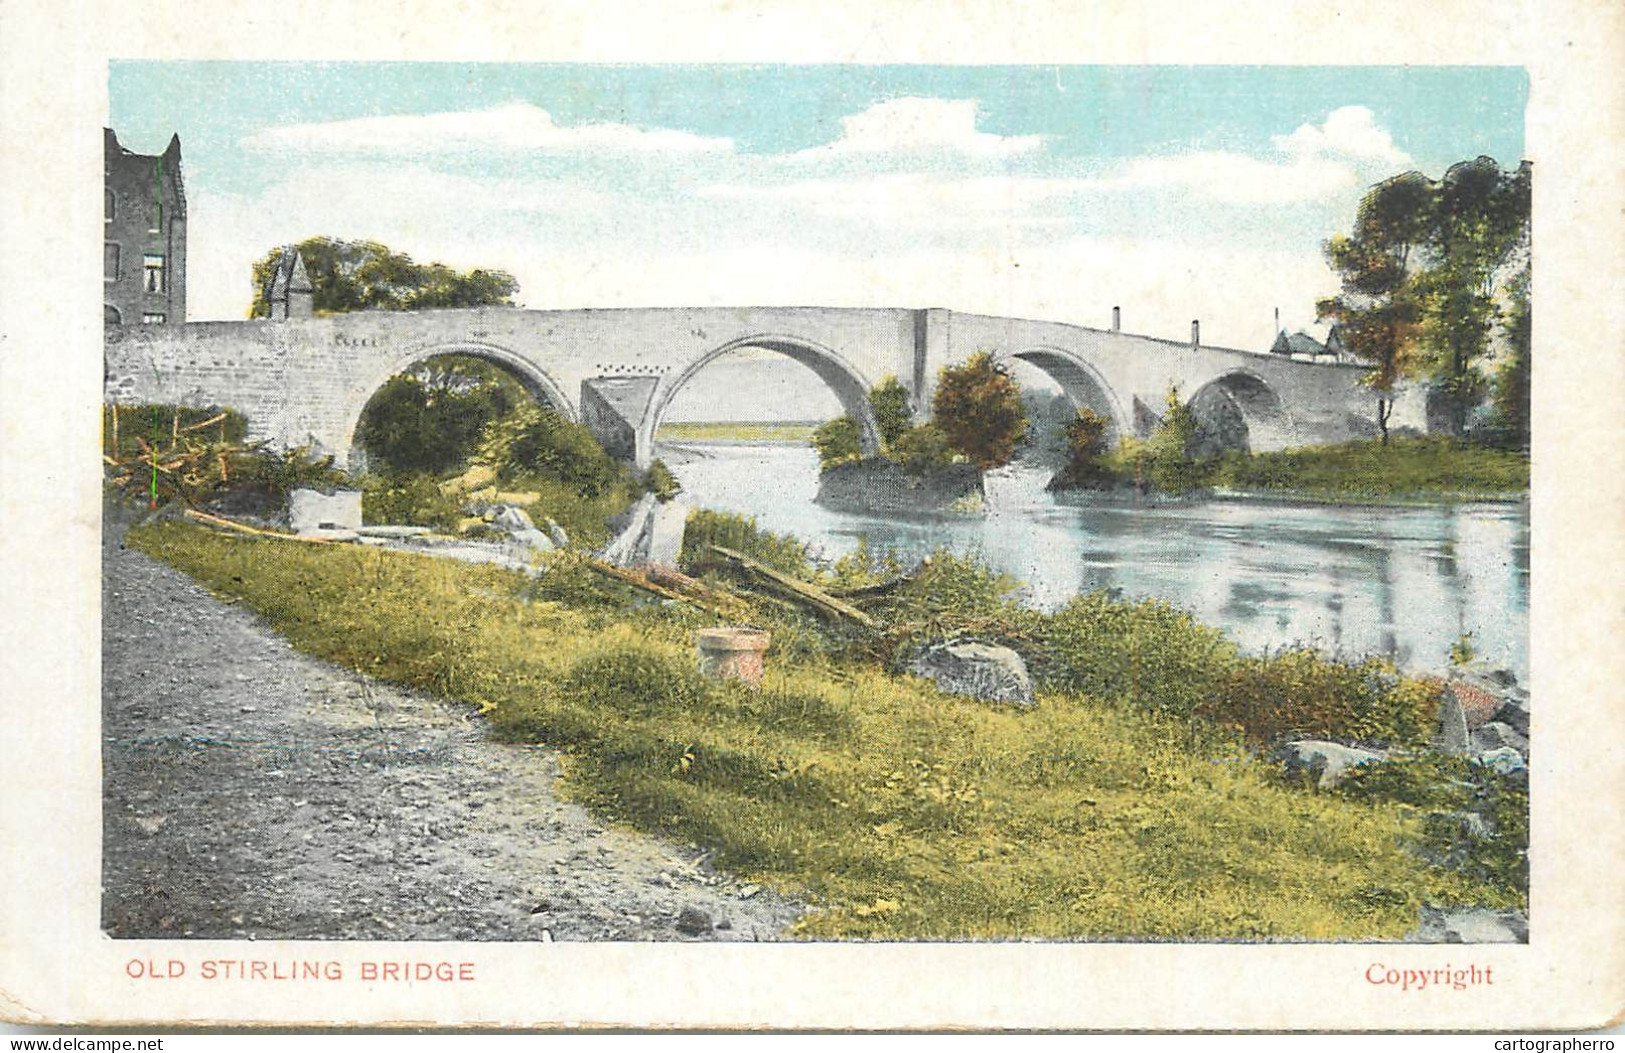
(636, 580)
(810, 594)
(714, 597)
(232, 524)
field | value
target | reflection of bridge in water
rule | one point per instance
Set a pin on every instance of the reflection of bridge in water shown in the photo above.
(306, 380)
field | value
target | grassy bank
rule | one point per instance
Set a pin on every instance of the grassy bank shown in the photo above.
(736, 431)
(1405, 468)
(1108, 812)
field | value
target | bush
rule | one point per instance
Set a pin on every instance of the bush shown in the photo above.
(979, 409)
(1148, 653)
(836, 442)
(740, 533)
(1086, 466)
(661, 482)
(922, 449)
(1301, 693)
(536, 441)
(892, 408)
(410, 500)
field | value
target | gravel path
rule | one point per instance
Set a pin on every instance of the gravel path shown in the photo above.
(251, 792)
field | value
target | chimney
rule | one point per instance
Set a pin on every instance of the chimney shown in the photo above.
(1117, 319)
(1196, 334)
(1277, 319)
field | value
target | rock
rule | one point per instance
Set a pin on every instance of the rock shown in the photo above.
(693, 922)
(1479, 697)
(1325, 762)
(1495, 735)
(476, 477)
(1472, 925)
(1451, 735)
(312, 510)
(878, 486)
(977, 670)
(1514, 713)
(556, 533)
(663, 534)
(622, 550)
(517, 525)
(1505, 760)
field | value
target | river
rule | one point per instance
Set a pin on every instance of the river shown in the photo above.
(1352, 580)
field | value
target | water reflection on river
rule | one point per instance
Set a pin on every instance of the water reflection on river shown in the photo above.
(1401, 581)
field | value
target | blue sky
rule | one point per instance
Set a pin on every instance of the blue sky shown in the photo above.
(1044, 191)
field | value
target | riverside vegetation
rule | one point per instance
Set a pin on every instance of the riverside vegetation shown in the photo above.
(1132, 803)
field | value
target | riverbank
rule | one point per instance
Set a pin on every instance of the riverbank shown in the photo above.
(251, 791)
(902, 812)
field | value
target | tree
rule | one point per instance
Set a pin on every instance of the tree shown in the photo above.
(1479, 215)
(1512, 379)
(893, 410)
(1174, 468)
(361, 275)
(1085, 437)
(1377, 312)
(979, 409)
(430, 420)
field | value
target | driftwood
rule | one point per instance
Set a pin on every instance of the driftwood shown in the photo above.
(671, 585)
(715, 597)
(811, 595)
(232, 524)
(879, 588)
(636, 580)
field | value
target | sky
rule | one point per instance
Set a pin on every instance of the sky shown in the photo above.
(1033, 191)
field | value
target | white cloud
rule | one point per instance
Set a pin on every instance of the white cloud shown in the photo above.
(1349, 131)
(1236, 178)
(915, 199)
(515, 126)
(912, 126)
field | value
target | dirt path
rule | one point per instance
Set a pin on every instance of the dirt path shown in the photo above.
(251, 792)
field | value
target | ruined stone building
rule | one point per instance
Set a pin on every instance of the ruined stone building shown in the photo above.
(144, 241)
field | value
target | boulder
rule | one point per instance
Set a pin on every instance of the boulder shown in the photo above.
(1472, 925)
(1495, 735)
(310, 511)
(1505, 760)
(1325, 762)
(555, 533)
(517, 525)
(663, 536)
(1514, 713)
(1451, 734)
(1478, 696)
(978, 670)
(692, 921)
(622, 551)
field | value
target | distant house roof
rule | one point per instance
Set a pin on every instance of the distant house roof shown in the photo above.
(1299, 343)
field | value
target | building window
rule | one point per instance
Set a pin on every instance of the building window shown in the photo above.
(153, 267)
(108, 205)
(110, 315)
(109, 261)
(157, 220)
(149, 318)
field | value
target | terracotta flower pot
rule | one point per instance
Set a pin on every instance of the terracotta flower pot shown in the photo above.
(731, 651)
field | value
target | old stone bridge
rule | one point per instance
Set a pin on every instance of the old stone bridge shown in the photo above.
(305, 381)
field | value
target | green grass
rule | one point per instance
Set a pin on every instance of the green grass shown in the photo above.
(739, 431)
(900, 812)
(1407, 467)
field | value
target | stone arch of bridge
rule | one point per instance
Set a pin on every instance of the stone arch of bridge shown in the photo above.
(1235, 405)
(1083, 385)
(535, 380)
(849, 385)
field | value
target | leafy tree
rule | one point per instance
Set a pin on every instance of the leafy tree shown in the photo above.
(361, 275)
(1479, 215)
(1174, 467)
(979, 409)
(1377, 311)
(892, 408)
(836, 442)
(431, 419)
(1512, 379)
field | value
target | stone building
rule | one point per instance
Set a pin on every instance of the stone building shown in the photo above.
(144, 241)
